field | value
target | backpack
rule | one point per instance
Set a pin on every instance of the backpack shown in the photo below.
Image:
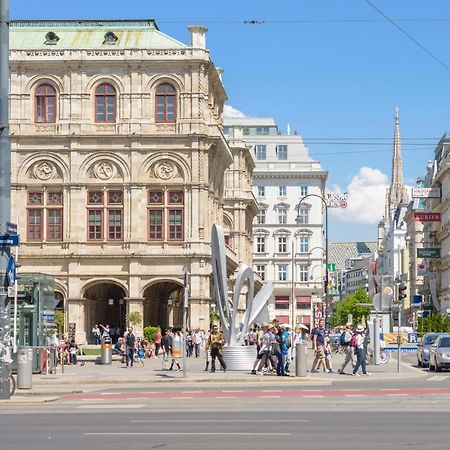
(342, 339)
(251, 338)
(353, 341)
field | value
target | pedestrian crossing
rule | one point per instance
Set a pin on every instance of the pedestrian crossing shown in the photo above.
(438, 378)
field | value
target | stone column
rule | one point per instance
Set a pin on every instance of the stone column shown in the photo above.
(76, 315)
(136, 305)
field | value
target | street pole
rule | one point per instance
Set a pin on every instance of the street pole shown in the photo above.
(185, 313)
(5, 200)
(293, 293)
(400, 306)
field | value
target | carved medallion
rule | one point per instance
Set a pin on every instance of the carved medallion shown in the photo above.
(44, 170)
(104, 170)
(165, 170)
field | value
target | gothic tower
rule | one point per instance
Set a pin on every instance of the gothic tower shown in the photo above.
(397, 192)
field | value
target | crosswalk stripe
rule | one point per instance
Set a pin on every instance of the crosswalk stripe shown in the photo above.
(438, 378)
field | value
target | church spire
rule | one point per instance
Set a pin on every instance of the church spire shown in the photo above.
(397, 191)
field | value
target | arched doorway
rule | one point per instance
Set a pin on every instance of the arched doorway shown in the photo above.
(105, 303)
(163, 304)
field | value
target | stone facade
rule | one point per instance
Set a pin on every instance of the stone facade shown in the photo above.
(118, 208)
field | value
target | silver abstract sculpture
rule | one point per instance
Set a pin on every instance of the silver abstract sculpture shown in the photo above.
(256, 306)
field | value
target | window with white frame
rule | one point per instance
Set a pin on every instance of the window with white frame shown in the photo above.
(261, 217)
(261, 271)
(303, 215)
(282, 191)
(303, 191)
(282, 272)
(260, 152)
(282, 244)
(303, 243)
(282, 215)
(260, 244)
(282, 152)
(303, 272)
(261, 191)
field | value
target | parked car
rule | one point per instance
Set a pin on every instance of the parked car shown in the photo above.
(440, 353)
(423, 349)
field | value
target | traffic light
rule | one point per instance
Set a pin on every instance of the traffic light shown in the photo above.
(402, 292)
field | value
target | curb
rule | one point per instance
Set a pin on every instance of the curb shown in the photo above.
(27, 401)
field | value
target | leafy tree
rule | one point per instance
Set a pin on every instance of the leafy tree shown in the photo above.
(350, 305)
(134, 318)
(59, 321)
(149, 333)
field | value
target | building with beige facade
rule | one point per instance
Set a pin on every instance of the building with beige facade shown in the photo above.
(120, 168)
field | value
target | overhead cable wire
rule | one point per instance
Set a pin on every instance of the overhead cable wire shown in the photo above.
(409, 36)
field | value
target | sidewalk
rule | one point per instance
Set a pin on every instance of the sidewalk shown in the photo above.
(91, 376)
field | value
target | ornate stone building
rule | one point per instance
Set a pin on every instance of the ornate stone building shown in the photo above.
(118, 169)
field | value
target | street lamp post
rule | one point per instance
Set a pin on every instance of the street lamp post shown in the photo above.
(327, 303)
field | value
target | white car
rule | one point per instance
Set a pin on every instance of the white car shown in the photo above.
(440, 353)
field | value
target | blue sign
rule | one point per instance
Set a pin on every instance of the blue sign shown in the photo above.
(9, 240)
(417, 300)
(11, 271)
(412, 338)
(11, 228)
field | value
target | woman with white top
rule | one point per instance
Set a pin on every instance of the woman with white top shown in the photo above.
(358, 340)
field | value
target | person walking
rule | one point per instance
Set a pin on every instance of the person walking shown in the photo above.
(318, 339)
(345, 342)
(157, 340)
(197, 338)
(166, 346)
(177, 349)
(130, 342)
(215, 344)
(97, 333)
(358, 341)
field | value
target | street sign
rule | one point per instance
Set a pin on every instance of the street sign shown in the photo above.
(331, 267)
(426, 192)
(428, 252)
(333, 292)
(11, 271)
(11, 228)
(427, 217)
(9, 240)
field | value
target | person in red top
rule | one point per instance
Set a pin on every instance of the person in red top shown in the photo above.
(157, 338)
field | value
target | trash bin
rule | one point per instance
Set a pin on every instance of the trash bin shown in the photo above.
(301, 360)
(24, 367)
(106, 351)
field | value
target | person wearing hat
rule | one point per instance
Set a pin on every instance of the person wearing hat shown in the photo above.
(345, 341)
(359, 351)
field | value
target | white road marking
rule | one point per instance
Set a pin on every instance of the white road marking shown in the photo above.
(269, 396)
(218, 420)
(271, 390)
(191, 392)
(113, 407)
(438, 378)
(397, 395)
(314, 396)
(355, 395)
(181, 398)
(226, 396)
(195, 433)
(231, 390)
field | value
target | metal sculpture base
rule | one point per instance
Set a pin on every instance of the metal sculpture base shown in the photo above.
(239, 358)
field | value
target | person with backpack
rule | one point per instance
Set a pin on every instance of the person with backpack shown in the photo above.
(358, 343)
(345, 341)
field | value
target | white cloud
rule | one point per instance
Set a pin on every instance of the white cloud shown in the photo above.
(229, 111)
(366, 198)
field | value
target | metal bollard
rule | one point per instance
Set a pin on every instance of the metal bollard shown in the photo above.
(301, 360)
(106, 351)
(24, 367)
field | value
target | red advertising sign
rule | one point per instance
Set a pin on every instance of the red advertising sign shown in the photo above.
(427, 217)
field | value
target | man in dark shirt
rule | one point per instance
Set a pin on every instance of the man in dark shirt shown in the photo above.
(318, 338)
(166, 345)
(130, 341)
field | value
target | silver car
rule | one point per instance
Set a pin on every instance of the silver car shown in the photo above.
(440, 353)
(423, 348)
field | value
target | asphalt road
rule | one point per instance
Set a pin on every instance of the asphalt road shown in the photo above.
(266, 429)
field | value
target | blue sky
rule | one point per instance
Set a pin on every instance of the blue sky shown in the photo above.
(338, 78)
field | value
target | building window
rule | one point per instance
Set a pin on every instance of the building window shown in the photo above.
(45, 108)
(303, 302)
(166, 215)
(303, 191)
(303, 243)
(282, 244)
(282, 152)
(105, 206)
(303, 216)
(261, 131)
(282, 191)
(281, 302)
(282, 272)
(282, 216)
(261, 271)
(260, 244)
(261, 217)
(303, 272)
(44, 215)
(260, 152)
(261, 191)
(105, 103)
(166, 99)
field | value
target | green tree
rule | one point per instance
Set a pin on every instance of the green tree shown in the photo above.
(350, 305)
(59, 321)
(134, 318)
(149, 333)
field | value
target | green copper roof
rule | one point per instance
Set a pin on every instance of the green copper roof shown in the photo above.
(89, 34)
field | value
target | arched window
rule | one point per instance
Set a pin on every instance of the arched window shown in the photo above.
(105, 103)
(166, 97)
(45, 104)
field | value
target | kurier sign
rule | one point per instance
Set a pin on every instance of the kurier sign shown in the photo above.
(427, 217)
(428, 252)
(426, 193)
